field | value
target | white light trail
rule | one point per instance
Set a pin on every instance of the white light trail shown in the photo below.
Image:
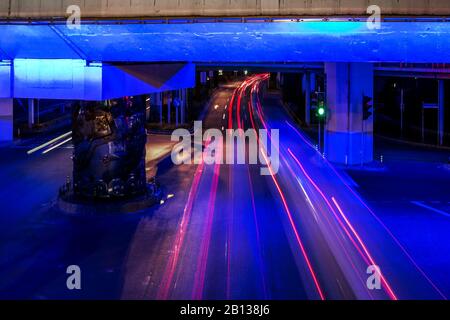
(65, 135)
(57, 145)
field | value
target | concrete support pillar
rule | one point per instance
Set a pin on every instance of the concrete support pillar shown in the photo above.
(37, 111)
(203, 77)
(441, 105)
(159, 103)
(169, 105)
(176, 105)
(31, 105)
(109, 168)
(307, 92)
(6, 119)
(312, 81)
(148, 105)
(348, 138)
(183, 105)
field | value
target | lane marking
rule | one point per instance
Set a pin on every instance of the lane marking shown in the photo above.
(420, 204)
(57, 145)
(65, 135)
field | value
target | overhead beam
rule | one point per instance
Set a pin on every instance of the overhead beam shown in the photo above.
(258, 42)
(79, 80)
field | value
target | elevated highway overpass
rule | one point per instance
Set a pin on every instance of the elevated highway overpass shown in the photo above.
(226, 31)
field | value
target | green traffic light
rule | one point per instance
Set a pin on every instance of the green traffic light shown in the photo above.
(321, 111)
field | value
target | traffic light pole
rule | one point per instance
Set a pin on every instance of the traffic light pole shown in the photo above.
(363, 140)
(402, 109)
(320, 135)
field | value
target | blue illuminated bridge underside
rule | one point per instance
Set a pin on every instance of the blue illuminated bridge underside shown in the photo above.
(417, 42)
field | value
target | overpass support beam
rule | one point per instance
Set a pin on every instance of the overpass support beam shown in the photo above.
(159, 103)
(148, 106)
(6, 102)
(183, 98)
(348, 137)
(6, 119)
(109, 152)
(31, 110)
(169, 109)
(441, 106)
(77, 79)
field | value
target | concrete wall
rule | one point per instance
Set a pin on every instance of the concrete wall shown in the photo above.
(172, 8)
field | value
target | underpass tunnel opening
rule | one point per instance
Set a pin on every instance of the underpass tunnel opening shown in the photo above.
(385, 103)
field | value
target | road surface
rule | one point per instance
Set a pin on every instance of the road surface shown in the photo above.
(224, 231)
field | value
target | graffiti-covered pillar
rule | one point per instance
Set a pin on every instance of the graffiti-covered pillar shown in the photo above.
(109, 149)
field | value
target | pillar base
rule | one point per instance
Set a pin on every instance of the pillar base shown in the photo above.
(70, 204)
(349, 148)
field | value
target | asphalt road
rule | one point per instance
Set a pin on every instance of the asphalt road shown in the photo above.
(225, 232)
(301, 233)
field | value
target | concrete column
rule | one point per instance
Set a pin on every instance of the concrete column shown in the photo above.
(441, 106)
(169, 105)
(159, 103)
(312, 81)
(183, 98)
(148, 104)
(6, 119)
(31, 105)
(37, 110)
(307, 92)
(202, 77)
(104, 170)
(348, 138)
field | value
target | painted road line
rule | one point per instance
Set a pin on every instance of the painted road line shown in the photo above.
(57, 146)
(420, 204)
(65, 135)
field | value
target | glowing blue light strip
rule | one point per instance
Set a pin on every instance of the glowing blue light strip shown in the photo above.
(310, 41)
